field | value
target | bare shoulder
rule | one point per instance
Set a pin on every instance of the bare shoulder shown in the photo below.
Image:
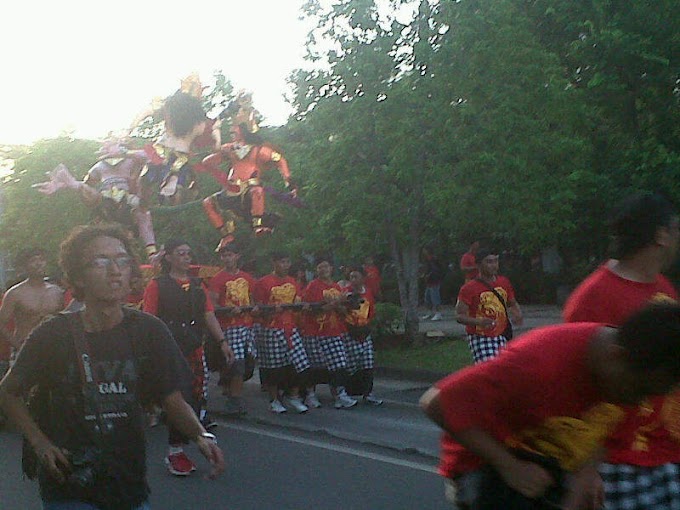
(15, 291)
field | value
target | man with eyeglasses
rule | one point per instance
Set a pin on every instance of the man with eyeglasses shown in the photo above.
(89, 374)
(183, 304)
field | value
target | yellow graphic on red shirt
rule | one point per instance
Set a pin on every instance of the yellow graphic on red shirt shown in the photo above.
(670, 415)
(330, 318)
(489, 306)
(571, 441)
(360, 317)
(662, 297)
(237, 292)
(331, 294)
(282, 294)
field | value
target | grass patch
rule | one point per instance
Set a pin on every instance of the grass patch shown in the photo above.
(449, 355)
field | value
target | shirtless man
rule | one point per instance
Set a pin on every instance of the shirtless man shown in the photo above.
(30, 301)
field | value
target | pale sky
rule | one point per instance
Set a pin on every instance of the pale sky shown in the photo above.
(90, 67)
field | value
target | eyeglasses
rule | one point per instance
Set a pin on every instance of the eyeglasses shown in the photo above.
(122, 262)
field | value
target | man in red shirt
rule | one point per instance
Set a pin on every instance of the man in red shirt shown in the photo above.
(282, 358)
(358, 344)
(324, 333)
(643, 462)
(483, 305)
(468, 262)
(373, 279)
(541, 410)
(183, 304)
(233, 288)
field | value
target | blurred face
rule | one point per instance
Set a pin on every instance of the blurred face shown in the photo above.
(229, 259)
(356, 279)
(236, 134)
(635, 386)
(324, 270)
(107, 268)
(180, 258)
(198, 129)
(282, 266)
(488, 267)
(35, 266)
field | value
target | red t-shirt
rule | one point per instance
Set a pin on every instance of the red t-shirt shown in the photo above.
(650, 434)
(276, 290)
(135, 300)
(322, 323)
(538, 394)
(233, 289)
(467, 260)
(372, 279)
(484, 303)
(364, 314)
(151, 296)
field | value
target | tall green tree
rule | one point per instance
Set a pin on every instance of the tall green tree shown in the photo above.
(456, 121)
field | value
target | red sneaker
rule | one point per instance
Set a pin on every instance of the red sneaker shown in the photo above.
(179, 464)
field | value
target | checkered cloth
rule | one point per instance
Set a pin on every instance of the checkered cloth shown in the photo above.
(485, 347)
(333, 349)
(274, 351)
(629, 487)
(241, 340)
(314, 352)
(359, 353)
(258, 337)
(199, 371)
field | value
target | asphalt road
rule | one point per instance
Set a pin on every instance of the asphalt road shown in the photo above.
(269, 468)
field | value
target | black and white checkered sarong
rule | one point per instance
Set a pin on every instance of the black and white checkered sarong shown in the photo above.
(629, 487)
(314, 352)
(485, 347)
(359, 353)
(241, 341)
(275, 352)
(333, 349)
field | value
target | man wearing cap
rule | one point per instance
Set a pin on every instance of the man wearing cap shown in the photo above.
(483, 305)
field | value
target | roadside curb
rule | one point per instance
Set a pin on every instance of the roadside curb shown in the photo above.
(409, 374)
(315, 429)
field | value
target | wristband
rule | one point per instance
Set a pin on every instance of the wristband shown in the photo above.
(207, 435)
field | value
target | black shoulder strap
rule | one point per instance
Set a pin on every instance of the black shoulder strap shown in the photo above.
(90, 388)
(492, 289)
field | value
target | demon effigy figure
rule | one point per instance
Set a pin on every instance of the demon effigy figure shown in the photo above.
(238, 167)
(110, 188)
(124, 184)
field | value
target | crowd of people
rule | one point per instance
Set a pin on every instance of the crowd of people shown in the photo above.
(300, 336)
(582, 415)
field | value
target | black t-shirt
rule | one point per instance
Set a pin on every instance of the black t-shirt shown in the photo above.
(135, 362)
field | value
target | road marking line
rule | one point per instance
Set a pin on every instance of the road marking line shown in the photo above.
(335, 448)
